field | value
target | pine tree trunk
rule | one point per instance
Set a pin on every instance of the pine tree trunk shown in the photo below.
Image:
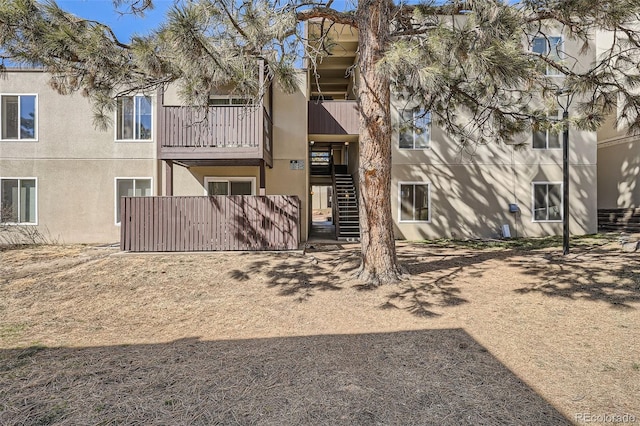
(379, 261)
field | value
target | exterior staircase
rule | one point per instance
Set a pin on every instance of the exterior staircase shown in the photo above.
(346, 206)
(619, 220)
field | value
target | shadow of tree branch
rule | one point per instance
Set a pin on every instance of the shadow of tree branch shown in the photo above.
(581, 276)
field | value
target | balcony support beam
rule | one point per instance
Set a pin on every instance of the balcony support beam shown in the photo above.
(168, 177)
(263, 178)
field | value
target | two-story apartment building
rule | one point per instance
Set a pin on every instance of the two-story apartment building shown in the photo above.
(59, 173)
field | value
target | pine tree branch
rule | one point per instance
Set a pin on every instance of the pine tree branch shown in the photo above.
(233, 21)
(108, 29)
(346, 18)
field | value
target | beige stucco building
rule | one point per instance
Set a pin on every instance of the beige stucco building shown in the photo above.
(61, 174)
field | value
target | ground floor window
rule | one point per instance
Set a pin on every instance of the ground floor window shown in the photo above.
(18, 201)
(415, 202)
(229, 186)
(547, 201)
(131, 187)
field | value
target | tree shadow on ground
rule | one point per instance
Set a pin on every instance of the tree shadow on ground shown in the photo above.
(435, 279)
(418, 377)
(583, 275)
(302, 275)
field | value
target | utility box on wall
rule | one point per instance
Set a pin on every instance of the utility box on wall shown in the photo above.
(296, 164)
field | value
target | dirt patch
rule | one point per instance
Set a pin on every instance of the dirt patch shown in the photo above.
(480, 335)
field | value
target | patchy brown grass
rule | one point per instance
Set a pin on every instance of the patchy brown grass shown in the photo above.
(477, 335)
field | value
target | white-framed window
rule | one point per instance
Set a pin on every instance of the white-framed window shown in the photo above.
(547, 201)
(131, 187)
(19, 117)
(19, 201)
(134, 118)
(414, 201)
(546, 139)
(229, 186)
(550, 47)
(415, 129)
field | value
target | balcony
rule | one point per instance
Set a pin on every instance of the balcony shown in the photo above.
(333, 118)
(216, 135)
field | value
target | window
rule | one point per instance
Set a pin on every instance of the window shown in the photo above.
(229, 186)
(415, 202)
(133, 118)
(415, 129)
(547, 201)
(549, 47)
(131, 187)
(18, 117)
(546, 139)
(226, 101)
(18, 201)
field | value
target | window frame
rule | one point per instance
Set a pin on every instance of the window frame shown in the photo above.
(546, 136)
(414, 183)
(117, 119)
(547, 53)
(117, 199)
(416, 111)
(533, 202)
(35, 179)
(36, 120)
(228, 179)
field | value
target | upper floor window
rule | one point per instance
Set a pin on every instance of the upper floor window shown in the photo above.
(18, 201)
(551, 48)
(133, 118)
(415, 129)
(415, 202)
(18, 114)
(547, 201)
(547, 139)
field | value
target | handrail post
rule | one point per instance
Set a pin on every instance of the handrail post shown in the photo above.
(334, 201)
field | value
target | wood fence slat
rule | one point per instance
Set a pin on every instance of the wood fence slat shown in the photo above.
(170, 228)
(235, 222)
(123, 224)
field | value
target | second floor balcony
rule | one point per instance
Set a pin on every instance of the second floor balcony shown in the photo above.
(333, 118)
(240, 134)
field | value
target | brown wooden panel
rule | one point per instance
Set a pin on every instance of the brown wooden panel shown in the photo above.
(333, 118)
(210, 223)
(123, 222)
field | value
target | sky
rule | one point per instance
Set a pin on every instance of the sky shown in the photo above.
(124, 26)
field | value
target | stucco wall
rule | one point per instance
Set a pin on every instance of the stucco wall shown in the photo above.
(618, 174)
(190, 181)
(290, 143)
(471, 187)
(74, 163)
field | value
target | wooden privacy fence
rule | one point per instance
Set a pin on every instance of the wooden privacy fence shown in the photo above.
(235, 222)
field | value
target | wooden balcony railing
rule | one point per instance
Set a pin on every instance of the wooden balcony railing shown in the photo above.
(217, 132)
(333, 118)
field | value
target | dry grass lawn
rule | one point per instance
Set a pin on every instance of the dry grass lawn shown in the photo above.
(476, 335)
